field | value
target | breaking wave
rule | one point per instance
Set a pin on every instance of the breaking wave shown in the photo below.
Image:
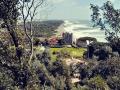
(83, 29)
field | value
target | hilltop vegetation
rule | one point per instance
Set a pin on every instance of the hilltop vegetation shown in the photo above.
(44, 28)
(25, 66)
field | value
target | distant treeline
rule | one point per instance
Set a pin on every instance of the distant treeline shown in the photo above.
(44, 28)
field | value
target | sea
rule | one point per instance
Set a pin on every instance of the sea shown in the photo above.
(83, 29)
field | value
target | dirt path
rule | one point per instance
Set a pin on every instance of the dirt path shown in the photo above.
(74, 61)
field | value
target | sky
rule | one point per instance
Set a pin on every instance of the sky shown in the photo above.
(72, 9)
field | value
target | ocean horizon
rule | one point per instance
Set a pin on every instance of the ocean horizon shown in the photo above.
(80, 28)
(83, 28)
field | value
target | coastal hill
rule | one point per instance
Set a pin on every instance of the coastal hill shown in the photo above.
(45, 28)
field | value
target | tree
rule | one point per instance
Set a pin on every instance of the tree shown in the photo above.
(28, 10)
(10, 12)
(107, 18)
(9, 15)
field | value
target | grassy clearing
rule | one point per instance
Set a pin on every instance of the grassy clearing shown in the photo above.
(74, 52)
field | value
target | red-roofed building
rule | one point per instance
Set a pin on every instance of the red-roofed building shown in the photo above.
(53, 41)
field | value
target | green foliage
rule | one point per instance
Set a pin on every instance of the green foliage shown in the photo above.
(110, 21)
(6, 81)
(8, 9)
(114, 82)
(97, 83)
(70, 52)
(9, 14)
(81, 88)
(107, 18)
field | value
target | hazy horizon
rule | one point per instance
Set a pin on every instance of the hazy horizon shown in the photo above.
(70, 9)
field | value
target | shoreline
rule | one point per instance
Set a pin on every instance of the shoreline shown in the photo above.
(80, 32)
(60, 30)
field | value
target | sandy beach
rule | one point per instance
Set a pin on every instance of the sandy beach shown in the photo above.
(60, 30)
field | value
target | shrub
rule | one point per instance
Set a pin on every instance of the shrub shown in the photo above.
(97, 83)
(114, 82)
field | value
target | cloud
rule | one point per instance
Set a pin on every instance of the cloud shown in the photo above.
(56, 1)
(112, 1)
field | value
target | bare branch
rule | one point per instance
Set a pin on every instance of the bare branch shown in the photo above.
(31, 11)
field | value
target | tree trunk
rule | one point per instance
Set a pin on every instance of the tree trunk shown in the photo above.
(31, 42)
(11, 29)
(13, 34)
(30, 38)
(32, 51)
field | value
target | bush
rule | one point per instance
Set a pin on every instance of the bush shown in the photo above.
(114, 82)
(97, 83)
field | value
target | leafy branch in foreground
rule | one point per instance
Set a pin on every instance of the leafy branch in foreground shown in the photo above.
(107, 17)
